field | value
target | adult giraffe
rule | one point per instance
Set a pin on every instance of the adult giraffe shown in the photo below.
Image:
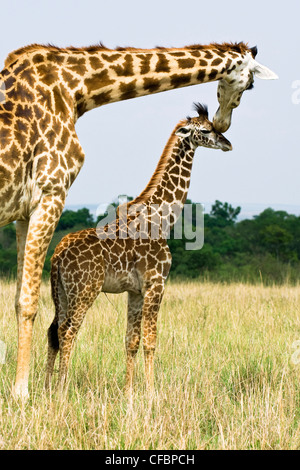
(46, 90)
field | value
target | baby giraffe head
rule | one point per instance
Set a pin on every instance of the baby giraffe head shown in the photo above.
(200, 131)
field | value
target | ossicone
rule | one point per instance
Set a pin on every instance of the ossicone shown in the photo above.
(201, 109)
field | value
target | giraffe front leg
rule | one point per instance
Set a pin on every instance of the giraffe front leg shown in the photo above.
(152, 301)
(21, 235)
(133, 335)
(31, 255)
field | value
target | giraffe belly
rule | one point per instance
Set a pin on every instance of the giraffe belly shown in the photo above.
(11, 208)
(116, 283)
(19, 203)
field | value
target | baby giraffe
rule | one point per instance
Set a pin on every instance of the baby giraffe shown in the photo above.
(128, 254)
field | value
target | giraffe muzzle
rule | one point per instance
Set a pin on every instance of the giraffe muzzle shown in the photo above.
(222, 120)
(224, 144)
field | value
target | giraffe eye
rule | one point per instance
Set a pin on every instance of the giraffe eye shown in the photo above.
(205, 131)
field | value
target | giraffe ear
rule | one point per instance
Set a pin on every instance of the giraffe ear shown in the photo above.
(183, 131)
(261, 71)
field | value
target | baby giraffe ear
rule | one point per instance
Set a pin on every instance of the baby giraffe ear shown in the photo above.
(183, 131)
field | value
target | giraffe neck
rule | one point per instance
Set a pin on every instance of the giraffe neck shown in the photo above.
(95, 76)
(167, 190)
(117, 75)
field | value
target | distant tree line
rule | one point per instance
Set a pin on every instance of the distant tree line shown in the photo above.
(265, 248)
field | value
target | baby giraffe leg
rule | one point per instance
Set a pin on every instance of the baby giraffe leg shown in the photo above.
(79, 300)
(67, 333)
(133, 335)
(152, 301)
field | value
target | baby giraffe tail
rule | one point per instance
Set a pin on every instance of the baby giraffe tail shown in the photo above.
(53, 341)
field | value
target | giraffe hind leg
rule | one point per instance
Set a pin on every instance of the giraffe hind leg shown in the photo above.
(61, 337)
(71, 300)
(133, 336)
(67, 331)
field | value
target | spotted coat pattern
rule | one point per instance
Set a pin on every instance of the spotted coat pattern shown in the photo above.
(46, 90)
(115, 258)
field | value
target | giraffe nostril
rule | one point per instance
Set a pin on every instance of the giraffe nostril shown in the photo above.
(226, 145)
(227, 148)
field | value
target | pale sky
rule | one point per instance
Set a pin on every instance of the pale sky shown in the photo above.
(123, 141)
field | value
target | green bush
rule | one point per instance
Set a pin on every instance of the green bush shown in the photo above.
(263, 249)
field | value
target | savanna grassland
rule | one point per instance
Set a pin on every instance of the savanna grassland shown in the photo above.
(226, 374)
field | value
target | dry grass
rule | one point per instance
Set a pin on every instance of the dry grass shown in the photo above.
(224, 375)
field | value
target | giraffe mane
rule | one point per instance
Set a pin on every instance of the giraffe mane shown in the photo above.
(160, 169)
(240, 47)
(14, 55)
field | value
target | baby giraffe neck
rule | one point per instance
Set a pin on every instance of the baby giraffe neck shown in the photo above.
(165, 195)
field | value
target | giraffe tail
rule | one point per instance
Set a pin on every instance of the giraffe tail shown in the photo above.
(53, 329)
(53, 336)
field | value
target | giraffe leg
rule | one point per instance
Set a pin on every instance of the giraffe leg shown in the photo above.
(21, 235)
(133, 335)
(67, 333)
(77, 306)
(40, 230)
(152, 301)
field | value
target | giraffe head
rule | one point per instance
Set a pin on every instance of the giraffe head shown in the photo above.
(240, 77)
(201, 132)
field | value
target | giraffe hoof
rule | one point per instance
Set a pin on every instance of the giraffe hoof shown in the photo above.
(20, 391)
